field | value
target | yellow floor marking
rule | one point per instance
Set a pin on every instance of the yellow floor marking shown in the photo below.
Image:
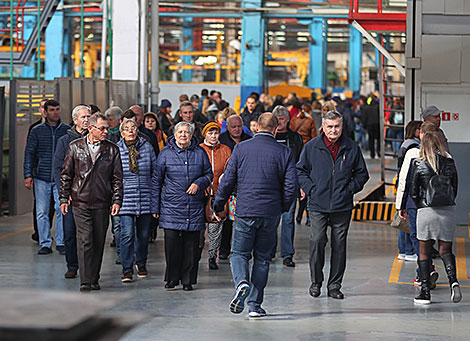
(389, 190)
(16, 232)
(396, 269)
(460, 258)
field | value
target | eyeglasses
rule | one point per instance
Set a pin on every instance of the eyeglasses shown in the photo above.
(186, 112)
(102, 128)
(133, 128)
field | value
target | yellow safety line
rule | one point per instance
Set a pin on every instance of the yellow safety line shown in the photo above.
(396, 269)
(460, 258)
(389, 190)
(15, 233)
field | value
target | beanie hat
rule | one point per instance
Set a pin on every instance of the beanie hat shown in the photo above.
(210, 125)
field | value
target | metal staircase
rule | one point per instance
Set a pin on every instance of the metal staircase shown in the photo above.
(24, 56)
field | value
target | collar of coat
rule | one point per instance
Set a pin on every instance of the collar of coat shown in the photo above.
(346, 142)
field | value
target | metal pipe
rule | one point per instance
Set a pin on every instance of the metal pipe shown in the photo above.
(104, 37)
(379, 47)
(110, 38)
(144, 49)
(38, 76)
(81, 40)
(381, 117)
(155, 51)
(11, 39)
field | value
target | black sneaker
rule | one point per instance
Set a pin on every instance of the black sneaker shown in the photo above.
(85, 287)
(455, 293)
(35, 237)
(213, 264)
(142, 271)
(424, 297)
(433, 277)
(187, 287)
(171, 285)
(127, 277)
(60, 249)
(95, 286)
(288, 262)
(44, 250)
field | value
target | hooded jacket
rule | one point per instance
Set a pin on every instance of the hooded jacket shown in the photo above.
(177, 169)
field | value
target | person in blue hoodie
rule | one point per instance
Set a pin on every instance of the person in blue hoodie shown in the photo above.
(331, 170)
(183, 174)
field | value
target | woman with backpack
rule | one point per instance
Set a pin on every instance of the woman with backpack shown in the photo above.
(433, 188)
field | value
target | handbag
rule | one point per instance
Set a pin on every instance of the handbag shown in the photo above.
(209, 209)
(400, 223)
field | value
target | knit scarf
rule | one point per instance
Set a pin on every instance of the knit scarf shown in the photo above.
(133, 156)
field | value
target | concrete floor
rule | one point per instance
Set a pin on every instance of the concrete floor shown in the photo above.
(378, 290)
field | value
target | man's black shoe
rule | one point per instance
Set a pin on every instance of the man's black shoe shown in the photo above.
(60, 249)
(335, 293)
(170, 285)
(71, 273)
(314, 290)
(288, 262)
(44, 250)
(35, 237)
(187, 287)
(95, 286)
(85, 287)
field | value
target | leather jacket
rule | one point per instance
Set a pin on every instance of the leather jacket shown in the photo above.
(421, 175)
(92, 185)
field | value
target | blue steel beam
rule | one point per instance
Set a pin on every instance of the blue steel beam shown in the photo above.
(222, 15)
(29, 71)
(355, 61)
(187, 45)
(252, 51)
(318, 54)
(55, 47)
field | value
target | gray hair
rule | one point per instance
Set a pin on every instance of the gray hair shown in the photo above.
(233, 116)
(126, 122)
(331, 115)
(186, 104)
(115, 112)
(280, 110)
(78, 108)
(182, 124)
(95, 117)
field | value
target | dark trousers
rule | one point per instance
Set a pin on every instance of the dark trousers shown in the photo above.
(70, 241)
(374, 137)
(339, 222)
(91, 235)
(181, 253)
(226, 241)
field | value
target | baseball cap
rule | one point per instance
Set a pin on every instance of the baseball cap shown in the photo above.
(431, 111)
(165, 104)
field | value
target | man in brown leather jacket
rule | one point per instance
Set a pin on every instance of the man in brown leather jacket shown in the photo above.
(91, 181)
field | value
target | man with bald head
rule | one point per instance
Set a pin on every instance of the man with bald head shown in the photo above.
(263, 171)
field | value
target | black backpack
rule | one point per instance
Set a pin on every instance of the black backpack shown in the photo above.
(440, 191)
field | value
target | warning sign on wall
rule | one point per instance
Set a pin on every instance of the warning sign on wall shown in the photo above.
(455, 116)
(446, 116)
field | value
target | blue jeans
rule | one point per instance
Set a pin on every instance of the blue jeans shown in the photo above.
(116, 222)
(412, 212)
(134, 240)
(255, 235)
(287, 233)
(43, 191)
(70, 238)
(404, 243)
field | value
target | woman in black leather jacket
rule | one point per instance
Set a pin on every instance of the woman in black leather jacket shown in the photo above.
(433, 188)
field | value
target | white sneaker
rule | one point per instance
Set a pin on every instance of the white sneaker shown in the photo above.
(455, 293)
(411, 258)
(401, 256)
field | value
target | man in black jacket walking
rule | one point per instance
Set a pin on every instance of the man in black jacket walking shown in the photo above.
(294, 141)
(331, 170)
(371, 120)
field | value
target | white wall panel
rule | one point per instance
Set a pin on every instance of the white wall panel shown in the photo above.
(441, 59)
(453, 6)
(433, 7)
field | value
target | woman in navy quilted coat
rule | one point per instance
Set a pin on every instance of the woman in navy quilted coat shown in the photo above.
(183, 174)
(139, 166)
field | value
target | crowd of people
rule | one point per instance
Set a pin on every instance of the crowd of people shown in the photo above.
(208, 171)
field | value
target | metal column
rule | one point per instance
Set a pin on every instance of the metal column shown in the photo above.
(187, 45)
(55, 46)
(318, 54)
(252, 52)
(155, 49)
(355, 61)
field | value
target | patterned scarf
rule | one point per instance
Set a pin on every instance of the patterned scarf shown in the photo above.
(133, 156)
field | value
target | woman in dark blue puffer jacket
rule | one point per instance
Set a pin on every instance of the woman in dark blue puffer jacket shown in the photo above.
(183, 174)
(139, 166)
